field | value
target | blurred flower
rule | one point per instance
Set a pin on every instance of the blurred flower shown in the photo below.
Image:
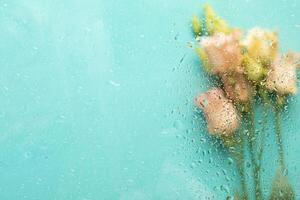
(262, 45)
(214, 24)
(253, 69)
(223, 52)
(204, 58)
(282, 77)
(237, 87)
(220, 113)
(197, 26)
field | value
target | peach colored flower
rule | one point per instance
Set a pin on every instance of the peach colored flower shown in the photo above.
(223, 51)
(237, 87)
(282, 76)
(220, 113)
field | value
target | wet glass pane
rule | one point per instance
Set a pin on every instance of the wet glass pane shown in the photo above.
(149, 100)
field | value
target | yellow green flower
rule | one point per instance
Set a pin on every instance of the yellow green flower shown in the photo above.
(262, 45)
(204, 58)
(214, 24)
(253, 69)
(197, 25)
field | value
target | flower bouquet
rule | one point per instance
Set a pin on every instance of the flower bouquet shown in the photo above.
(249, 70)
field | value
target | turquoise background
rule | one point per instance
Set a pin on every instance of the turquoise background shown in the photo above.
(97, 100)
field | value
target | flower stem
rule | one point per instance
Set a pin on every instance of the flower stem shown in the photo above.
(279, 137)
(281, 189)
(265, 109)
(255, 166)
(240, 162)
(241, 166)
(263, 133)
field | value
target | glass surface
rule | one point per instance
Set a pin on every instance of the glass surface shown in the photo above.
(97, 100)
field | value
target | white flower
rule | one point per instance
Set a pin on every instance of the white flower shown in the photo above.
(283, 75)
(220, 113)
